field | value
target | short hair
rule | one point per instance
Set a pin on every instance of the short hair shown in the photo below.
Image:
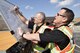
(43, 16)
(69, 14)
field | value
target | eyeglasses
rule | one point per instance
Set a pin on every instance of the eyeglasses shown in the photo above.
(60, 15)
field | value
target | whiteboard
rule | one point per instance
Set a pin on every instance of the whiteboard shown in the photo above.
(10, 18)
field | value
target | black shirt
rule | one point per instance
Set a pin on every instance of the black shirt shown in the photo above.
(30, 25)
(54, 36)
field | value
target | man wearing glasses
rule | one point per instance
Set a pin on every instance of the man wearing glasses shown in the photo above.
(58, 40)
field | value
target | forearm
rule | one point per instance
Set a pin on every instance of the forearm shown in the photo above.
(19, 14)
(32, 37)
(23, 19)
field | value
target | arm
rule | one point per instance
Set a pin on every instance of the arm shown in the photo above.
(32, 37)
(23, 19)
(47, 36)
(53, 36)
(20, 15)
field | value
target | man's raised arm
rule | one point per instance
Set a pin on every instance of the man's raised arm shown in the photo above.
(23, 19)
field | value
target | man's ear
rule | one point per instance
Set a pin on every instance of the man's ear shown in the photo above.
(64, 19)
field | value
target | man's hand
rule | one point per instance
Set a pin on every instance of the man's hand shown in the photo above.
(16, 9)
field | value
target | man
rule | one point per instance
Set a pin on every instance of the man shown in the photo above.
(60, 40)
(35, 24)
(38, 19)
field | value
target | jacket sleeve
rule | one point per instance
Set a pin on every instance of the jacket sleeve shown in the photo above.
(52, 36)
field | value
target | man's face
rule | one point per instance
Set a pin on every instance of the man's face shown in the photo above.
(38, 18)
(60, 17)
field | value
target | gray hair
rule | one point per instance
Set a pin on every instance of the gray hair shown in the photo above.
(43, 16)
